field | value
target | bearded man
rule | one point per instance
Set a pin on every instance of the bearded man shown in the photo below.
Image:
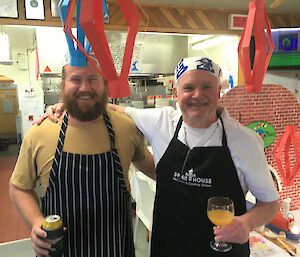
(80, 166)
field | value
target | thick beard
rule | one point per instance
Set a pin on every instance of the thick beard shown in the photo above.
(85, 113)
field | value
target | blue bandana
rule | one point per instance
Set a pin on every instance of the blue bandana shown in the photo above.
(196, 63)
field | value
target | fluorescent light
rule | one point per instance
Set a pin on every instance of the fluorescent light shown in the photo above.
(198, 38)
(276, 3)
(166, 33)
(285, 29)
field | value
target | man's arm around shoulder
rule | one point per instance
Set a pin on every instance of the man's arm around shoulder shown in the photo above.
(146, 165)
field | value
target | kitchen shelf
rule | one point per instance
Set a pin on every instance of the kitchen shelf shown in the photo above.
(50, 74)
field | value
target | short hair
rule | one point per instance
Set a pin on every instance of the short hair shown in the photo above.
(63, 74)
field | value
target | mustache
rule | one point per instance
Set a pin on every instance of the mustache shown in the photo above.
(89, 94)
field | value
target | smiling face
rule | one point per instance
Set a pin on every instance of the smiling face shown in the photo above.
(198, 93)
(84, 92)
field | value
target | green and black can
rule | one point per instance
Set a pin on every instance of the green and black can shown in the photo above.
(53, 226)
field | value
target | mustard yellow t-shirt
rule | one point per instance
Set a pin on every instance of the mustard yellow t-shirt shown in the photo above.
(38, 147)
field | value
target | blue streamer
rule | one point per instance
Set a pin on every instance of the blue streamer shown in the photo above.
(77, 58)
(105, 11)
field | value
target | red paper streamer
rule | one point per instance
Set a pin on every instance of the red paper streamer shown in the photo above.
(257, 22)
(37, 64)
(92, 23)
(290, 138)
(68, 30)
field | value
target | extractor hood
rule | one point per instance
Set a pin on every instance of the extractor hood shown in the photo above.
(153, 53)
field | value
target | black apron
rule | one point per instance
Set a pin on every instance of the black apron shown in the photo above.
(89, 193)
(185, 180)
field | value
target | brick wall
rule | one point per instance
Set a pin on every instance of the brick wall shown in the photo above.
(275, 105)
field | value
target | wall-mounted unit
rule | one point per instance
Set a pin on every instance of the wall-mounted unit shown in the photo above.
(52, 47)
(286, 53)
(5, 50)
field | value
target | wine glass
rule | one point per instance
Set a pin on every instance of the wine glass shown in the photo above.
(220, 211)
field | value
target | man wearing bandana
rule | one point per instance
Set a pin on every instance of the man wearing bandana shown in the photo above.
(201, 152)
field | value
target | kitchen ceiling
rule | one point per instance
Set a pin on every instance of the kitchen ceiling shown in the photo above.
(284, 7)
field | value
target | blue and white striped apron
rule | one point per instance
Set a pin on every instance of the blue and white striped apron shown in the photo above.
(89, 193)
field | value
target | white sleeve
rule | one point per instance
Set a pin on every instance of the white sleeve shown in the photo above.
(257, 175)
(145, 120)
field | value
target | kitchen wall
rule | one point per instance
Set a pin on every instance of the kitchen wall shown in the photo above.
(22, 43)
(22, 71)
(289, 78)
(53, 48)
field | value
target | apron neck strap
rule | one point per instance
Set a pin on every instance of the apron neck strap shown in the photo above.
(224, 137)
(178, 127)
(64, 126)
(110, 130)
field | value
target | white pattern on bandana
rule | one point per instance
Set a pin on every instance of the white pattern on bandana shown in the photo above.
(196, 63)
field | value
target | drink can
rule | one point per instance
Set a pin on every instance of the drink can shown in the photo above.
(53, 226)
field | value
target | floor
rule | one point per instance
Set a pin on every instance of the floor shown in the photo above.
(11, 225)
(14, 236)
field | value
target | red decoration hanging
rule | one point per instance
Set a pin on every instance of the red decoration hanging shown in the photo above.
(37, 64)
(290, 138)
(257, 22)
(92, 23)
(68, 30)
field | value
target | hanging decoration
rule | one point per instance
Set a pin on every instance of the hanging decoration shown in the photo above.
(37, 64)
(105, 11)
(76, 55)
(290, 141)
(91, 34)
(94, 28)
(258, 23)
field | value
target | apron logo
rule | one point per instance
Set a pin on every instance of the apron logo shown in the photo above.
(191, 179)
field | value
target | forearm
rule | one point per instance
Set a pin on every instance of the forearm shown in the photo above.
(147, 166)
(238, 231)
(261, 214)
(27, 205)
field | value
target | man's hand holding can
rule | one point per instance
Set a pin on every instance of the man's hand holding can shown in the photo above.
(53, 226)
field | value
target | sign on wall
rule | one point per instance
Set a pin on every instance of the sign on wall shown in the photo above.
(34, 9)
(9, 9)
(264, 130)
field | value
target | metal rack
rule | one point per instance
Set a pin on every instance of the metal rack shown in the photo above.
(51, 86)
